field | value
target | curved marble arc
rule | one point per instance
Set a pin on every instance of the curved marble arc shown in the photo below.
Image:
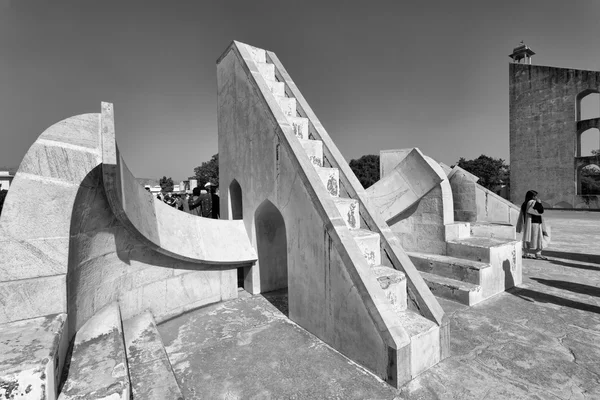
(167, 230)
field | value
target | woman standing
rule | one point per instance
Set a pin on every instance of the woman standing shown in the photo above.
(532, 224)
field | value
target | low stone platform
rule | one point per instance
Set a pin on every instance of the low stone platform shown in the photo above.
(32, 353)
(538, 341)
(98, 366)
(249, 349)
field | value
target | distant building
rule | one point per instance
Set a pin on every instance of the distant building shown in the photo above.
(548, 131)
(6, 178)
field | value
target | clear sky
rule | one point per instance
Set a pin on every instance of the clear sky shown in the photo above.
(378, 74)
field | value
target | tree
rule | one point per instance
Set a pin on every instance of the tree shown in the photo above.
(590, 180)
(166, 184)
(208, 172)
(366, 169)
(596, 152)
(3, 194)
(492, 172)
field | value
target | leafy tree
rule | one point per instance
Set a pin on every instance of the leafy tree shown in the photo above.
(166, 184)
(366, 169)
(590, 180)
(208, 172)
(596, 152)
(492, 172)
(3, 194)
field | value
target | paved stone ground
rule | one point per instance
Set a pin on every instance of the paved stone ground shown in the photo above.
(539, 341)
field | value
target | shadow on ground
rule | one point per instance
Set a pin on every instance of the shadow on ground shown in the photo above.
(581, 257)
(540, 297)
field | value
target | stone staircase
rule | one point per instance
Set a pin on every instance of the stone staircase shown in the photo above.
(119, 359)
(475, 267)
(424, 334)
(150, 370)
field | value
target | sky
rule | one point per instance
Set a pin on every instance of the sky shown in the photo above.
(378, 74)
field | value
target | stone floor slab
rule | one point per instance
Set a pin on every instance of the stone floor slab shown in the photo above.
(538, 341)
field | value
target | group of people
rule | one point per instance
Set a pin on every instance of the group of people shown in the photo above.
(203, 203)
(532, 224)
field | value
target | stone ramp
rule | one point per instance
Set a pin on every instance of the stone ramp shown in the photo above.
(150, 370)
(98, 365)
(32, 353)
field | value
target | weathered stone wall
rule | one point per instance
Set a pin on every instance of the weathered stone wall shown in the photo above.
(422, 227)
(474, 203)
(543, 132)
(108, 263)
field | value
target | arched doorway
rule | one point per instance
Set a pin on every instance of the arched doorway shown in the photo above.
(587, 142)
(271, 244)
(235, 201)
(587, 105)
(236, 211)
(589, 180)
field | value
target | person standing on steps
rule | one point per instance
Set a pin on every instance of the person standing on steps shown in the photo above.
(531, 223)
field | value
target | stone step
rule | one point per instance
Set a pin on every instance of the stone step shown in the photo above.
(457, 230)
(481, 248)
(331, 179)
(300, 125)
(267, 70)
(98, 367)
(451, 289)
(450, 267)
(288, 105)
(150, 371)
(314, 150)
(493, 230)
(32, 354)
(393, 283)
(369, 243)
(277, 88)
(348, 208)
(258, 55)
(424, 341)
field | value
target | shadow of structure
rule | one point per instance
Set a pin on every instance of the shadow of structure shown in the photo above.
(583, 257)
(539, 297)
(509, 281)
(279, 299)
(573, 265)
(570, 286)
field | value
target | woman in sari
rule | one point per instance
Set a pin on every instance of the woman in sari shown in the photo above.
(532, 224)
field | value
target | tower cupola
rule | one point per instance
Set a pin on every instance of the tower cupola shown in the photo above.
(522, 52)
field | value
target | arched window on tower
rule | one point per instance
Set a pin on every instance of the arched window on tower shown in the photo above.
(589, 179)
(588, 141)
(588, 105)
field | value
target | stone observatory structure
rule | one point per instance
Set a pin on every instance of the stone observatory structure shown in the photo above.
(87, 272)
(349, 281)
(547, 129)
(460, 235)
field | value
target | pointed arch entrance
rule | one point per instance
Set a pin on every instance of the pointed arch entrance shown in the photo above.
(236, 210)
(271, 245)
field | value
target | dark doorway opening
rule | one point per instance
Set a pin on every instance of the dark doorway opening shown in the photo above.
(271, 243)
(241, 276)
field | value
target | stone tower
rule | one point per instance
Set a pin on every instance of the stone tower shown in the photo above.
(546, 129)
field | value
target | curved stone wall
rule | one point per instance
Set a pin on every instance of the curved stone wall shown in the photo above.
(65, 247)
